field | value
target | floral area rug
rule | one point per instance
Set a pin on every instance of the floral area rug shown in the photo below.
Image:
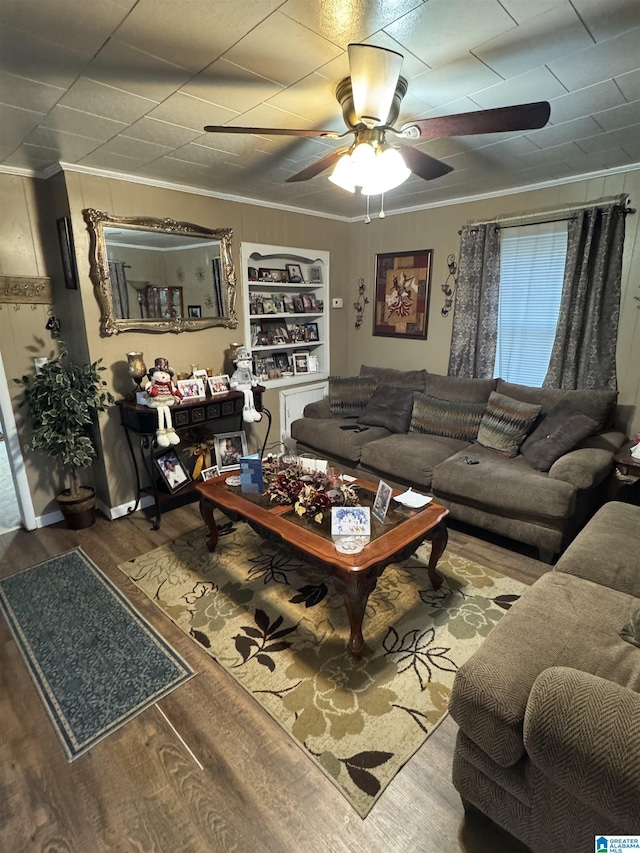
(279, 628)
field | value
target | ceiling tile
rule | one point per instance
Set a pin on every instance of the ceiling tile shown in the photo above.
(231, 86)
(68, 146)
(15, 124)
(411, 65)
(568, 131)
(81, 123)
(524, 10)
(191, 35)
(453, 80)
(623, 116)
(599, 62)
(102, 159)
(20, 92)
(238, 143)
(343, 23)
(605, 20)
(592, 99)
(313, 98)
(135, 148)
(161, 132)
(31, 157)
(261, 50)
(187, 111)
(629, 85)
(537, 85)
(553, 154)
(537, 42)
(438, 32)
(130, 70)
(27, 56)
(200, 154)
(68, 23)
(610, 139)
(105, 101)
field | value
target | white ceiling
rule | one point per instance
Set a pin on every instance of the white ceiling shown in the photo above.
(126, 86)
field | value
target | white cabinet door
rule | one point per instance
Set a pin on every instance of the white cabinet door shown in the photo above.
(293, 401)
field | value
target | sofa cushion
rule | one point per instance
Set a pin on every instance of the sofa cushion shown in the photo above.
(460, 388)
(414, 379)
(505, 423)
(560, 621)
(409, 458)
(349, 395)
(327, 439)
(561, 429)
(598, 405)
(452, 419)
(389, 407)
(510, 487)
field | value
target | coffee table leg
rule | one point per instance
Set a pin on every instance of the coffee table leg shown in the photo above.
(438, 537)
(355, 590)
(206, 511)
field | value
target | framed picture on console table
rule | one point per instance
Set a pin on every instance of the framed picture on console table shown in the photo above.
(402, 292)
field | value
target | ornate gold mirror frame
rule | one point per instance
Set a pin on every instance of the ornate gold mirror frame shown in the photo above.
(110, 323)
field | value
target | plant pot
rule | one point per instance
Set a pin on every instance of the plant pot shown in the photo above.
(79, 510)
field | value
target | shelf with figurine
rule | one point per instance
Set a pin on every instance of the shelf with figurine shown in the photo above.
(286, 299)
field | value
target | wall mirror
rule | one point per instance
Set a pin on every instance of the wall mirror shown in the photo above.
(158, 275)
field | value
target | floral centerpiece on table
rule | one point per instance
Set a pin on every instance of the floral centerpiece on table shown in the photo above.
(312, 493)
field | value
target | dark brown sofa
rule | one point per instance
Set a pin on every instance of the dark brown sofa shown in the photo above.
(504, 495)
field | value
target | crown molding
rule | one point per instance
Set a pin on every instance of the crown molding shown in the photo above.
(55, 168)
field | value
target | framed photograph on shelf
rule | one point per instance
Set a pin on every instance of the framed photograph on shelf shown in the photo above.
(194, 311)
(402, 291)
(300, 362)
(308, 302)
(311, 332)
(209, 473)
(282, 362)
(294, 273)
(315, 275)
(272, 275)
(314, 364)
(68, 253)
(192, 389)
(269, 305)
(289, 305)
(173, 474)
(298, 305)
(229, 447)
(219, 384)
(200, 373)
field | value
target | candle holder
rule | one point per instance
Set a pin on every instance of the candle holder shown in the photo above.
(137, 370)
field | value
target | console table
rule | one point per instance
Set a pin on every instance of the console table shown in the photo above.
(222, 413)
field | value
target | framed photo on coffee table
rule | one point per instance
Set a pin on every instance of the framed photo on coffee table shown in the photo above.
(229, 448)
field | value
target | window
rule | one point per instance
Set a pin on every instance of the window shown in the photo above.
(532, 260)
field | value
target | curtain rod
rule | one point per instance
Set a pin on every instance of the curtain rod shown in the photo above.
(556, 212)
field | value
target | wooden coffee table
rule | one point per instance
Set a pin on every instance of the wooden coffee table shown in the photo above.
(355, 575)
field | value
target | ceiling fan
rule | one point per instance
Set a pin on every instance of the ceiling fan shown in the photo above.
(370, 99)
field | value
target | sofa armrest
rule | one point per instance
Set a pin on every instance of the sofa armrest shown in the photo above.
(583, 732)
(583, 468)
(318, 409)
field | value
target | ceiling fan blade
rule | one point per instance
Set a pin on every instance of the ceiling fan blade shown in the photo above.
(374, 75)
(520, 117)
(317, 167)
(422, 164)
(272, 131)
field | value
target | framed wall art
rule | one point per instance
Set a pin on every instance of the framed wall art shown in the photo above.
(402, 292)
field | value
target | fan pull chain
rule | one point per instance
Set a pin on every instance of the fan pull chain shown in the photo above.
(367, 218)
(382, 213)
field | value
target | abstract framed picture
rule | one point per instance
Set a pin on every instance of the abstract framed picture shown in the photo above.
(402, 292)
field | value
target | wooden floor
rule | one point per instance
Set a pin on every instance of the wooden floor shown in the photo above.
(140, 790)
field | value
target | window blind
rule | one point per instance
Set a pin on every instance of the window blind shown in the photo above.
(532, 261)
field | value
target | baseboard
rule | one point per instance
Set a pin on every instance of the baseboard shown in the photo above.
(123, 509)
(49, 518)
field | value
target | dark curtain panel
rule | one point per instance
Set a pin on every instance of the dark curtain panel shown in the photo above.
(584, 350)
(475, 321)
(119, 289)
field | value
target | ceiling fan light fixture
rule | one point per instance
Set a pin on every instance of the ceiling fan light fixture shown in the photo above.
(390, 172)
(342, 175)
(374, 77)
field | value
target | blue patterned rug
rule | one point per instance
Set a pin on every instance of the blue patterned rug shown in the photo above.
(95, 661)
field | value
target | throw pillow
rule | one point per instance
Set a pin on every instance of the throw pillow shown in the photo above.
(505, 424)
(451, 419)
(389, 407)
(559, 431)
(349, 395)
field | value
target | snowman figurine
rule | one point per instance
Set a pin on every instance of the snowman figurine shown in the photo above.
(243, 379)
(161, 395)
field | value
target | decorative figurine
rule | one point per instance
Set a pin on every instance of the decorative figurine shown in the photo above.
(243, 379)
(161, 395)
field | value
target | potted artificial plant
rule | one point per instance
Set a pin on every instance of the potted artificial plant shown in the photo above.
(61, 401)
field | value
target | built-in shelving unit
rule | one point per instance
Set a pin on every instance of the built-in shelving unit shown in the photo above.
(286, 308)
